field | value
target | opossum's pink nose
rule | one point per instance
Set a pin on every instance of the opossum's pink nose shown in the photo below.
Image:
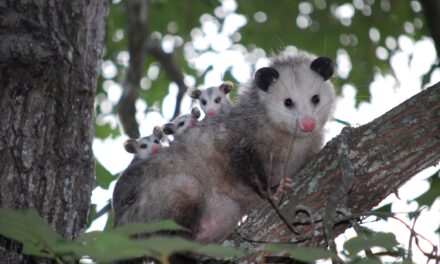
(192, 122)
(307, 124)
(211, 112)
(154, 149)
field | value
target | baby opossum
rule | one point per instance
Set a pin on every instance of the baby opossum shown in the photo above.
(143, 147)
(213, 100)
(181, 123)
(213, 174)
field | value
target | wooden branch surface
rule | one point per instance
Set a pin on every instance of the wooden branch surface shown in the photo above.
(383, 154)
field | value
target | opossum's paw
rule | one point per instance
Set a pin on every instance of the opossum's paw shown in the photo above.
(323, 66)
(285, 183)
(265, 76)
(208, 230)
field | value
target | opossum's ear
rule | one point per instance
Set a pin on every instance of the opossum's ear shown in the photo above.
(130, 145)
(157, 132)
(169, 129)
(226, 87)
(194, 93)
(265, 76)
(323, 66)
(195, 112)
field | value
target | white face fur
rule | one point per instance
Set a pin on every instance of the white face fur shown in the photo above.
(147, 146)
(182, 123)
(299, 100)
(213, 100)
(144, 147)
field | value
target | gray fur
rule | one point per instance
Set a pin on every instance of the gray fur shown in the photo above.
(214, 174)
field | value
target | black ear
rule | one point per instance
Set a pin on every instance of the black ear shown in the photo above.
(130, 145)
(194, 93)
(195, 112)
(265, 76)
(157, 132)
(226, 87)
(168, 129)
(323, 66)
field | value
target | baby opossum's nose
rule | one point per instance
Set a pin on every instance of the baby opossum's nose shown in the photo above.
(307, 124)
(154, 149)
(192, 122)
(211, 112)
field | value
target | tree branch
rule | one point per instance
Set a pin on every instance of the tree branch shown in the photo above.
(382, 156)
(136, 11)
(432, 11)
(171, 67)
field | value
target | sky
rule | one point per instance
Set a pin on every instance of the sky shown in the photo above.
(386, 93)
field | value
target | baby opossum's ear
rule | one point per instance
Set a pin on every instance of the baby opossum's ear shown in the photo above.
(168, 129)
(130, 145)
(265, 76)
(157, 132)
(195, 112)
(194, 93)
(226, 87)
(323, 66)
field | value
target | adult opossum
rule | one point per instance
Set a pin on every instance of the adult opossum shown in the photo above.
(215, 173)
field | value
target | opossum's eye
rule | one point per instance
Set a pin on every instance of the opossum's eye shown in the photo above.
(315, 99)
(156, 141)
(288, 103)
(143, 146)
(217, 100)
(181, 123)
(203, 102)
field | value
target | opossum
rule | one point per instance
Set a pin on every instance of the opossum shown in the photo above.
(213, 100)
(144, 147)
(181, 123)
(215, 173)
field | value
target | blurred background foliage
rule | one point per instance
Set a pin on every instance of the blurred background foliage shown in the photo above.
(360, 35)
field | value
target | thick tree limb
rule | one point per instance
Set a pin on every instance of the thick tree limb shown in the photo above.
(172, 69)
(136, 11)
(382, 156)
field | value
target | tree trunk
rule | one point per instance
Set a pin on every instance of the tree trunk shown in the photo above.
(49, 61)
(355, 171)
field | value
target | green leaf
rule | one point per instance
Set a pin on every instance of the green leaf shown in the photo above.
(369, 261)
(301, 253)
(384, 208)
(432, 193)
(356, 244)
(28, 228)
(165, 246)
(132, 229)
(103, 176)
(108, 246)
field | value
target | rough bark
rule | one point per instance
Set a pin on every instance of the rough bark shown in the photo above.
(137, 24)
(49, 60)
(380, 156)
(432, 15)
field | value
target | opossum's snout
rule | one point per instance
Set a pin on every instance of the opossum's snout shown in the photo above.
(154, 149)
(307, 124)
(192, 122)
(211, 112)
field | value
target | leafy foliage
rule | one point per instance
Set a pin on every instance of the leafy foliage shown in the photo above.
(301, 253)
(356, 244)
(39, 239)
